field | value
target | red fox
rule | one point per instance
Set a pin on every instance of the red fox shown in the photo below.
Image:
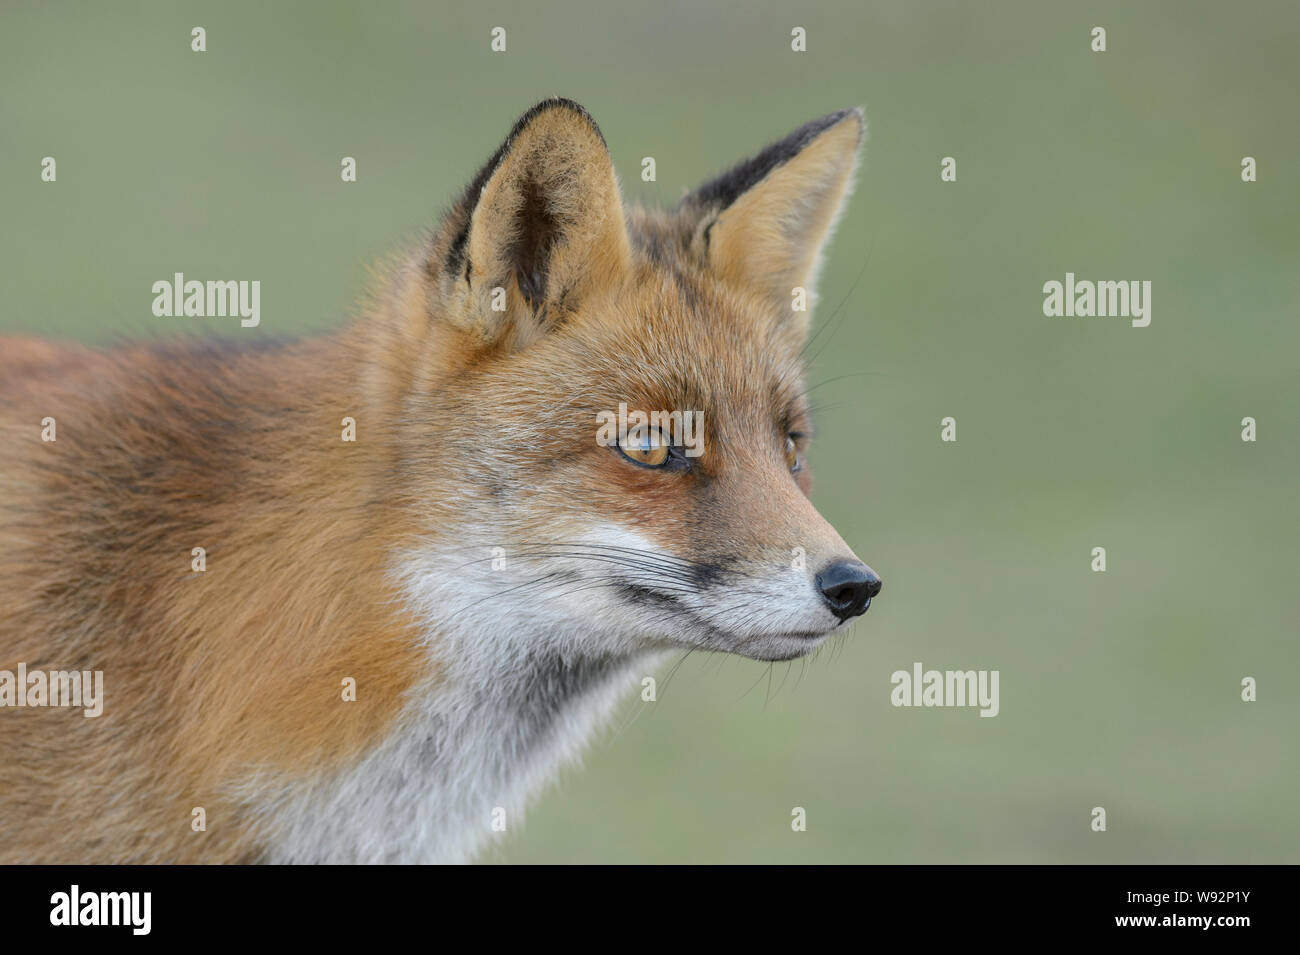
(355, 598)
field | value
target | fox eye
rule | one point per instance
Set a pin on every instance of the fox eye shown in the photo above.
(646, 447)
(792, 459)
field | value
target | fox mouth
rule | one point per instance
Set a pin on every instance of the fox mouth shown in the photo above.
(777, 646)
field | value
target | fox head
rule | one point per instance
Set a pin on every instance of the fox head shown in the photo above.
(604, 410)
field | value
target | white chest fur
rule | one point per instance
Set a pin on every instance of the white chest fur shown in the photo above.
(462, 762)
(520, 681)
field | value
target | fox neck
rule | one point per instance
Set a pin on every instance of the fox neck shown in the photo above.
(501, 710)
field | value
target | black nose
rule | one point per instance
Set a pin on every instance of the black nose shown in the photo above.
(848, 586)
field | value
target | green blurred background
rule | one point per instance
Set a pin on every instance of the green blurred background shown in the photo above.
(1119, 689)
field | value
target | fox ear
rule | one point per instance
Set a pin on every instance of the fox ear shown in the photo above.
(540, 225)
(764, 222)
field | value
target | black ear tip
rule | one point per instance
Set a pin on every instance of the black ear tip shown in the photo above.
(855, 113)
(557, 103)
(860, 112)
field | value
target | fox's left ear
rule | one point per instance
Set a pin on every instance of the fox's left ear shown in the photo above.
(538, 228)
(764, 222)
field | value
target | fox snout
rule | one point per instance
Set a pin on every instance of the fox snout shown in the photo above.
(848, 587)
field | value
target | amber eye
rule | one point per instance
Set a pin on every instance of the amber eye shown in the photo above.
(646, 447)
(792, 455)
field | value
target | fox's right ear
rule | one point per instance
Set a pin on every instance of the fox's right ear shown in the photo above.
(540, 226)
(764, 223)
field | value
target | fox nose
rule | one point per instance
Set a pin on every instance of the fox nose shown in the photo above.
(847, 587)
